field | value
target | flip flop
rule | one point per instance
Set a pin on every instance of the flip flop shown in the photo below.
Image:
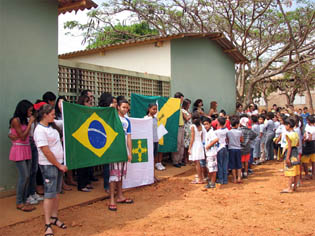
(112, 207)
(126, 201)
(197, 182)
(286, 191)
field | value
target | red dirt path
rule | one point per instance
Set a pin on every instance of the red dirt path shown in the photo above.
(176, 207)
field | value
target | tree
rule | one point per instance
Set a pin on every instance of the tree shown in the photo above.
(273, 40)
(113, 33)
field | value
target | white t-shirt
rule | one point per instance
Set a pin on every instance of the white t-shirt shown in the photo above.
(221, 134)
(48, 136)
(310, 130)
(210, 136)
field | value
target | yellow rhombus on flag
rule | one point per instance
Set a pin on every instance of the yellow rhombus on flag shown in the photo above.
(95, 126)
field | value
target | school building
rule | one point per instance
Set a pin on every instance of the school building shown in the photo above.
(198, 65)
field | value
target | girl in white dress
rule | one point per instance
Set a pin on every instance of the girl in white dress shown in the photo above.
(196, 150)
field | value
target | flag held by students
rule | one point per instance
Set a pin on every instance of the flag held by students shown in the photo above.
(92, 136)
(141, 169)
(168, 116)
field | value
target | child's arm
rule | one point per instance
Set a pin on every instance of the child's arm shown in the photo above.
(212, 143)
(129, 145)
(278, 139)
(192, 139)
(242, 138)
(288, 151)
(13, 137)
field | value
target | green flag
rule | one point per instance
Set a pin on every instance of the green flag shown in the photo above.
(139, 150)
(92, 136)
(168, 116)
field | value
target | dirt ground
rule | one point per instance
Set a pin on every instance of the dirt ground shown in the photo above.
(176, 207)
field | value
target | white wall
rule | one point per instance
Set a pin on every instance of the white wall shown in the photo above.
(142, 58)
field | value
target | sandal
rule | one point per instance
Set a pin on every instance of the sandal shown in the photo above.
(25, 208)
(197, 182)
(61, 225)
(126, 201)
(112, 207)
(47, 226)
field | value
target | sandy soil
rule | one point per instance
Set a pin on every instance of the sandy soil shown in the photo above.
(176, 207)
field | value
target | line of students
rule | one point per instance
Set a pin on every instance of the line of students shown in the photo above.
(236, 149)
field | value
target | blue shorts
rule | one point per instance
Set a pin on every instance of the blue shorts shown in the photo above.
(203, 163)
(52, 177)
(235, 158)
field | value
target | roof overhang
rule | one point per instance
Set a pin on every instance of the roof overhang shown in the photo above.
(226, 45)
(74, 5)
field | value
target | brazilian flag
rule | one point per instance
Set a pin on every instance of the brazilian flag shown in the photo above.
(92, 136)
(168, 115)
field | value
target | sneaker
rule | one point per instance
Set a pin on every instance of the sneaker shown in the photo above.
(245, 175)
(30, 200)
(158, 166)
(177, 165)
(212, 185)
(163, 167)
(38, 197)
(208, 185)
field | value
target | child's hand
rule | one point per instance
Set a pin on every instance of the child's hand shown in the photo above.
(288, 163)
(189, 151)
(129, 158)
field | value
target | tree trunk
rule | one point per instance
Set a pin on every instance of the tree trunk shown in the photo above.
(309, 97)
(249, 95)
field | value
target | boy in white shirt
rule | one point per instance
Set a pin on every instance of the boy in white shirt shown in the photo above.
(211, 152)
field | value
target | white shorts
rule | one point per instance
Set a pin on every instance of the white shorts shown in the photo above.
(212, 163)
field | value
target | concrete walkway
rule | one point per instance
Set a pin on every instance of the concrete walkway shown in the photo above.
(11, 216)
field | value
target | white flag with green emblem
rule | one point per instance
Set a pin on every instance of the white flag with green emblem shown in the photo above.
(141, 170)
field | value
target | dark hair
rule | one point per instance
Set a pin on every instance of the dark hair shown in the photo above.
(238, 105)
(289, 121)
(85, 92)
(196, 103)
(82, 99)
(121, 101)
(205, 119)
(243, 115)
(262, 116)
(223, 112)
(150, 106)
(221, 121)
(195, 118)
(254, 118)
(235, 120)
(270, 115)
(49, 96)
(178, 95)
(311, 119)
(186, 103)
(21, 111)
(120, 98)
(214, 116)
(255, 106)
(57, 110)
(105, 100)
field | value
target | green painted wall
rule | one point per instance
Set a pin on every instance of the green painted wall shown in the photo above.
(200, 69)
(28, 65)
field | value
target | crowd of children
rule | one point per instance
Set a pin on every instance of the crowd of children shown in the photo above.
(233, 144)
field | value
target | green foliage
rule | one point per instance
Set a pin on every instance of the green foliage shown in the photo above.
(120, 33)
